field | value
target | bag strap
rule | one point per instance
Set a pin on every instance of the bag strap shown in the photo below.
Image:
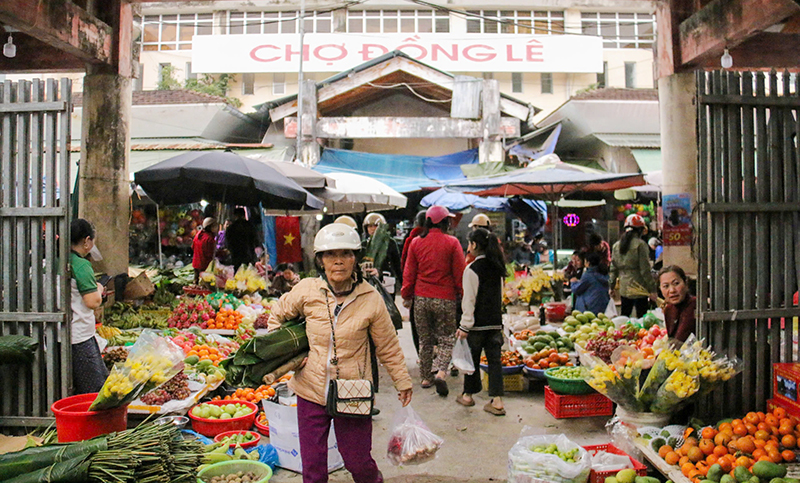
(335, 360)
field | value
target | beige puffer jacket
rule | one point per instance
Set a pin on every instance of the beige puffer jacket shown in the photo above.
(362, 313)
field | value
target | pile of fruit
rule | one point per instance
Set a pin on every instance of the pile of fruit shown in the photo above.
(568, 456)
(226, 319)
(261, 321)
(630, 476)
(238, 477)
(524, 334)
(240, 438)
(112, 356)
(212, 374)
(262, 419)
(205, 353)
(126, 316)
(605, 342)
(176, 388)
(191, 312)
(264, 391)
(577, 373)
(218, 300)
(227, 411)
(547, 358)
(737, 450)
(507, 358)
(125, 337)
(547, 340)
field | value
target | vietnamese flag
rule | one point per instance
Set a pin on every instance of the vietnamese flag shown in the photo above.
(287, 239)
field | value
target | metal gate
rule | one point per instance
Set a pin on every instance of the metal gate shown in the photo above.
(749, 217)
(34, 213)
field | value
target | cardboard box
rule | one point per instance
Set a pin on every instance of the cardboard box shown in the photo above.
(139, 288)
(785, 383)
(284, 437)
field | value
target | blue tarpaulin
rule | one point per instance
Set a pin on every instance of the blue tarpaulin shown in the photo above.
(404, 173)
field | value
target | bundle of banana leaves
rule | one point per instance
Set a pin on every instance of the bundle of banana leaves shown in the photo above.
(149, 453)
(378, 246)
(263, 354)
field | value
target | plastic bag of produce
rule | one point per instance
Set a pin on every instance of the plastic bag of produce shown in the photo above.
(151, 362)
(17, 349)
(549, 458)
(462, 357)
(605, 379)
(410, 441)
(675, 392)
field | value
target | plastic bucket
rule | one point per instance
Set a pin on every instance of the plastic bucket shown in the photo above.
(555, 311)
(642, 419)
(74, 421)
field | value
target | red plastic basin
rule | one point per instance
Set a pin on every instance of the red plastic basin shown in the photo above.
(212, 427)
(74, 421)
(250, 444)
(555, 311)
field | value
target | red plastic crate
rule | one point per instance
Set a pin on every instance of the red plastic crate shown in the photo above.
(600, 476)
(568, 406)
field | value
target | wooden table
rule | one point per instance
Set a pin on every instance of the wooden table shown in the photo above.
(669, 471)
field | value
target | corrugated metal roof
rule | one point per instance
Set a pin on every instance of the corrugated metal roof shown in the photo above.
(631, 140)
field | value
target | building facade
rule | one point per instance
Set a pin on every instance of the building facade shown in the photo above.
(174, 37)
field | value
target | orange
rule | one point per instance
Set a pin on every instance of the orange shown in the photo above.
(779, 413)
(789, 441)
(708, 433)
(671, 457)
(761, 416)
(745, 445)
(711, 459)
(751, 417)
(720, 451)
(683, 461)
(760, 443)
(785, 429)
(765, 458)
(693, 475)
(691, 441)
(686, 468)
(706, 446)
(725, 463)
(739, 430)
(725, 427)
(763, 435)
(662, 451)
(695, 454)
(722, 438)
(702, 467)
(771, 420)
(757, 454)
(775, 456)
(788, 455)
(743, 461)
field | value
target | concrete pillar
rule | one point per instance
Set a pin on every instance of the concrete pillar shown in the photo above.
(678, 117)
(104, 184)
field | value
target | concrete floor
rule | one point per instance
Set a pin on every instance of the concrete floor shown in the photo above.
(476, 443)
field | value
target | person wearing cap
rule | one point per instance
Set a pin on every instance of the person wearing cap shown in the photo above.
(391, 263)
(88, 370)
(204, 246)
(432, 278)
(347, 220)
(482, 221)
(341, 311)
(630, 265)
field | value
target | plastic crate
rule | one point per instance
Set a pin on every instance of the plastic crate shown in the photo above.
(600, 476)
(564, 406)
(511, 382)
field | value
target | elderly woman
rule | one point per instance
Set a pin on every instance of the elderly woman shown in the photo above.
(679, 311)
(342, 311)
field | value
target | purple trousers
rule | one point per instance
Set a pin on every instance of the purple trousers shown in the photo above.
(353, 436)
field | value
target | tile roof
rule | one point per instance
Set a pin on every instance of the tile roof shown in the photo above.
(617, 94)
(164, 97)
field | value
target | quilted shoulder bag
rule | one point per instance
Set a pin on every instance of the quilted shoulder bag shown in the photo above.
(352, 398)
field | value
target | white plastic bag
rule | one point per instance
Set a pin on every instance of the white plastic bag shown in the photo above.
(604, 461)
(462, 357)
(410, 441)
(611, 309)
(524, 464)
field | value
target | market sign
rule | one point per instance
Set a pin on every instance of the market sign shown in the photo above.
(452, 53)
(677, 227)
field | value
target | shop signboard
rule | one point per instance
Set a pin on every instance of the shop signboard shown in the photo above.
(677, 214)
(452, 53)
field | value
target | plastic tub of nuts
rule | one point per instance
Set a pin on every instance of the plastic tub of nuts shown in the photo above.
(240, 471)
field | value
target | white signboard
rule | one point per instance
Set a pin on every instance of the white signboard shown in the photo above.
(452, 53)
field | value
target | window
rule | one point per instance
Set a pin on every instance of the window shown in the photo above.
(547, 83)
(398, 21)
(174, 32)
(287, 22)
(541, 22)
(620, 30)
(630, 75)
(189, 75)
(248, 84)
(603, 78)
(278, 83)
(516, 82)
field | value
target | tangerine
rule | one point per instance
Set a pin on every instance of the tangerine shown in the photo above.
(789, 441)
(722, 438)
(725, 463)
(758, 453)
(706, 446)
(775, 456)
(788, 455)
(695, 454)
(751, 417)
(686, 468)
(771, 420)
(743, 461)
(725, 427)
(745, 445)
(672, 458)
(720, 451)
(779, 413)
(712, 459)
(662, 451)
(708, 433)
(740, 430)
(762, 435)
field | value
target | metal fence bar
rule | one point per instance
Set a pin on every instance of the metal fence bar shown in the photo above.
(9, 199)
(64, 306)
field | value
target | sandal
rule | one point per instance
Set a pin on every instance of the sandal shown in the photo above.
(493, 410)
(464, 401)
(426, 384)
(441, 387)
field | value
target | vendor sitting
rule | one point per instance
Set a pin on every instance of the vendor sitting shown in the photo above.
(679, 312)
(285, 279)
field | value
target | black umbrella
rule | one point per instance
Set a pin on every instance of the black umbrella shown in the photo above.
(224, 177)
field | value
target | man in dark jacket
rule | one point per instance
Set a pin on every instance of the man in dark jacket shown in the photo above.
(241, 239)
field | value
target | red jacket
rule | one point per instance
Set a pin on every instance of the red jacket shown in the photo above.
(680, 319)
(434, 267)
(203, 248)
(414, 233)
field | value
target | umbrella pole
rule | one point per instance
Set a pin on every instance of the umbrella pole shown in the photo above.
(158, 226)
(556, 231)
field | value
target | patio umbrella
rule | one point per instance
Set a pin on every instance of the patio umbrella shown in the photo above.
(223, 177)
(359, 194)
(302, 175)
(551, 180)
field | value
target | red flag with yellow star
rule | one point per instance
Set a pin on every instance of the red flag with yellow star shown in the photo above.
(287, 239)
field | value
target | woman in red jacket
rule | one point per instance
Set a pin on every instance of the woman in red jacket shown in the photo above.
(432, 279)
(204, 246)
